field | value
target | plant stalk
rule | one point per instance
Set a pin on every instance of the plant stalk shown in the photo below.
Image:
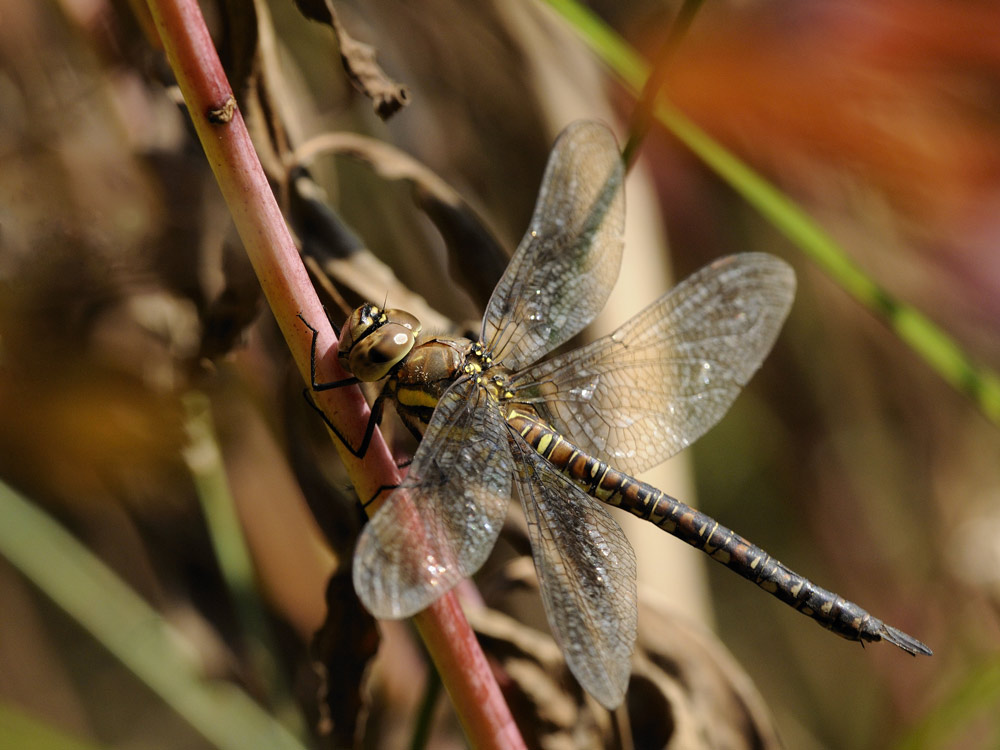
(219, 124)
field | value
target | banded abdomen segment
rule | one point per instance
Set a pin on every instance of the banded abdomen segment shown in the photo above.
(600, 480)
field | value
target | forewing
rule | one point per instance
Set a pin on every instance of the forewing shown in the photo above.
(562, 272)
(664, 378)
(586, 572)
(439, 526)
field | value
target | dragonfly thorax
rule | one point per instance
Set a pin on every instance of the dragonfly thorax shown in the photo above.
(374, 341)
(424, 375)
(489, 375)
(477, 360)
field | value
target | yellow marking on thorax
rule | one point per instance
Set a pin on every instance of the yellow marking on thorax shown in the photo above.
(415, 397)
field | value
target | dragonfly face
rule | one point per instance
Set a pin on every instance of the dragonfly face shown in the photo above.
(374, 341)
(561, 433)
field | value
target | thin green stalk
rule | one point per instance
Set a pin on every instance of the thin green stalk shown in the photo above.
(935, 347)
(425, 714)
(130, 629)
(233, 556)
(642, 116)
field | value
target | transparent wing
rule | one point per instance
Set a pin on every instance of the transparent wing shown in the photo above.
(586, 571)
(664, 378)
(564, 268)
(439, 526)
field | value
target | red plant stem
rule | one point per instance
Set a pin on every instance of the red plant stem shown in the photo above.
(224, 137)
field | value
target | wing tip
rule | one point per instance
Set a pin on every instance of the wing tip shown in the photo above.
(391, 583)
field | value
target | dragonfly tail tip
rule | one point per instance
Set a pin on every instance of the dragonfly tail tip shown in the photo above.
(908, 643)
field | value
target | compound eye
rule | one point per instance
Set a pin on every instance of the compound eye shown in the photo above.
(404, 319)
(373, 357)
(362, 323)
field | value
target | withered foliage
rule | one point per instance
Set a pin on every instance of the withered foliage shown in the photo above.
(123, 288)
(686, 690)
(358, 58)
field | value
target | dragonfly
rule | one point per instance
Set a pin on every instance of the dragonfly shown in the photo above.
(567, 434)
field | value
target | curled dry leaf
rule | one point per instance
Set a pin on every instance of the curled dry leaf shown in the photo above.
(545, 700)
(341, 651)
(686, 691)
(388, 96)
(684, 680)
(472, 248)
(335, 253)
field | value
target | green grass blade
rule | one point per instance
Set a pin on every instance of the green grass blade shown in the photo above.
(18, 729)
(204, 460)
(132, 631)
(930, 342)
(977, 695)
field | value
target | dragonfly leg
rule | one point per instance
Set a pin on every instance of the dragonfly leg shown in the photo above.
(379, 491)
(312, 364)
(387, 487)
(376, 413)
(373, 422)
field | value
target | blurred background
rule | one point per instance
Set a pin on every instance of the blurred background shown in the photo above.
(148, 405)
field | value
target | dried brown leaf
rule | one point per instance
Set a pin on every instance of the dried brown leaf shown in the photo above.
(686, 691)
(475, 255)
(238, 43)
(340, 255)
(342, 650)
(388, 96)
(548, 705)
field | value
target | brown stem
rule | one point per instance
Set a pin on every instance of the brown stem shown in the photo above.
(224, 137)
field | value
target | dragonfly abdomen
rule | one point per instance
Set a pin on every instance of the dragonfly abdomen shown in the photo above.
(724, 545)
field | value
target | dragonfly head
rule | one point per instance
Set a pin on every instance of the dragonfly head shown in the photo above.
(373, 341)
